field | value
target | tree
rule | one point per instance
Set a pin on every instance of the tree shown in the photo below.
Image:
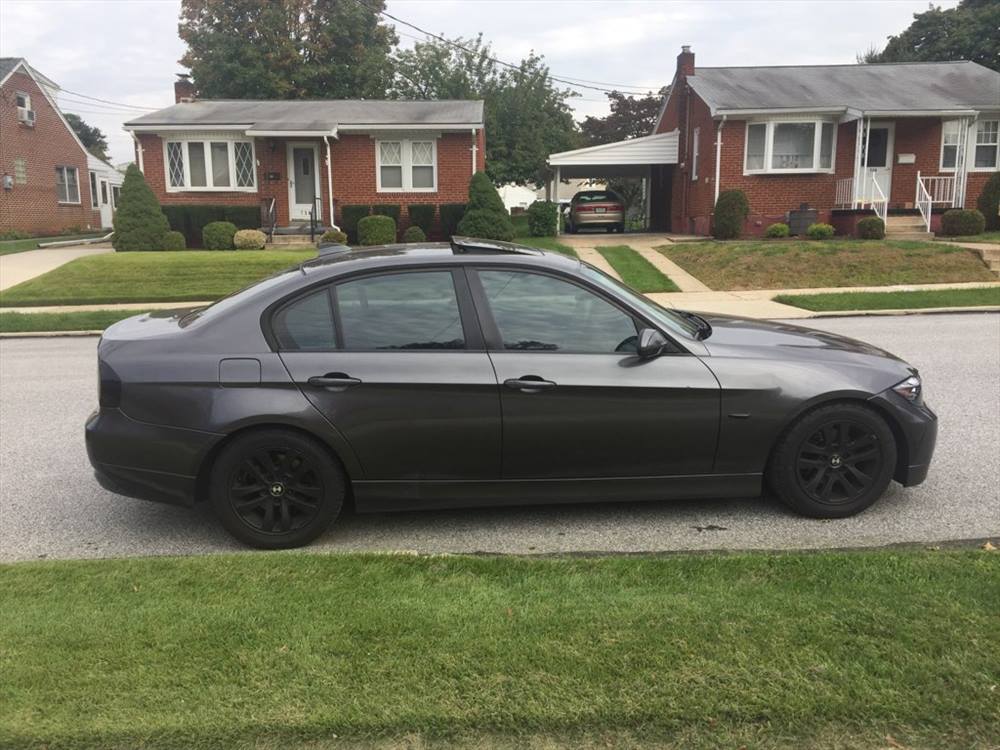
(485, 216)
(287, 49)
(93, 138)
(139, 222)
(527, 116)
(969, 31)
(630, 117)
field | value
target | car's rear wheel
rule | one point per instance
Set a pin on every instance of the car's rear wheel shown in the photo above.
(275, 489)
(833, 462)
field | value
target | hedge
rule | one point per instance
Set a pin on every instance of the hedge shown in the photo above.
(962, 221)
(249, 239)
(871, 228)
(820, 231)
(174, 241)
(779, 229)
(542, 218)
(414, 233)
(388, 209)
(335, 236)
(731, 210)
(218, 235)
(376, 230)
(349, 218)
(486, 225)
(422, 215)
(451, 215)
(989, 202)
(190, 220)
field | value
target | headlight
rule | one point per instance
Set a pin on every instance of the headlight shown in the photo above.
(910, 389)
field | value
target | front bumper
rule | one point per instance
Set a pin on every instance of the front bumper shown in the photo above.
(916, 430)
(146, 461)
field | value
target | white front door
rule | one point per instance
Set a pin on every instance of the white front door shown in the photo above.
(879, 160)
(303, 181)
(107, 210)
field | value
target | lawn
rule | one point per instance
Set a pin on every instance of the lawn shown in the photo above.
(984, 237)
(758, 264)
(184, 276)
(292, 650)
(893, 300)
(93, 320)
(19, 246)
(546, 243)
(636, 271)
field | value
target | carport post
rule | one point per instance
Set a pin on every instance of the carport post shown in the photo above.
(647, 192)
(555, 197)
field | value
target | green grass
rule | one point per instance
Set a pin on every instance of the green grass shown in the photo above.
(893, 300)
(185, 276)
(547, 243)
(293, 650)
(19, 246)
(636, 271)
(761, 264)
(984, 237)
(93, 320)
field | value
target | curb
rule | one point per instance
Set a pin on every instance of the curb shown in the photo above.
(48, 334)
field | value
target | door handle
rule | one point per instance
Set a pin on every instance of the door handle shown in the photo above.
(333, 381)
(529, 384)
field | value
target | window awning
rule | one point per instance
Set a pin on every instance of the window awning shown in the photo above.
(619, 159)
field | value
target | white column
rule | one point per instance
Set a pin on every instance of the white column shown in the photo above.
(329, 181)
(555, 197)
(647, 192)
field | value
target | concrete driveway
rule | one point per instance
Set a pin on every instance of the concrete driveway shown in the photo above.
(18, 267)
(50, 506)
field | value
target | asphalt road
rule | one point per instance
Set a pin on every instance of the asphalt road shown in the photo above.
(51, 507)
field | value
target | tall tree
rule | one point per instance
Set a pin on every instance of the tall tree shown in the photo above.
(92, 137)
(630, 117)
(969, 31)
(287, 49)
(527, 116)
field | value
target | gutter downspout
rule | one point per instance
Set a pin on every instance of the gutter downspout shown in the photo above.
(138, 150)
(718, 156)
(329, 178)
(475, 151)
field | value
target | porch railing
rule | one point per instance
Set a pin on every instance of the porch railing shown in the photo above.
(845, 193)
(268, 217)
(940, 189)
(880, 204)
(924, 202)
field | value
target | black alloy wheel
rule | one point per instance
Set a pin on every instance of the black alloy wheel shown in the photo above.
(839, 462)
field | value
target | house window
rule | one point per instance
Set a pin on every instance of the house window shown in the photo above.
(115, 193)
(210, 165)
(93, 190)
(21, 170)
(23, 102)
(949, 143)
(694, 155)
(67, 185)
(406, 165)
(987, 142)
(104, 192)
(801, 146)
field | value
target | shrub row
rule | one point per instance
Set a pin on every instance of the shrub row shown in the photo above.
(420, 215)
(191, 220)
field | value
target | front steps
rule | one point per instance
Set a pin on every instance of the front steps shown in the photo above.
(296, 234)
(907, 227)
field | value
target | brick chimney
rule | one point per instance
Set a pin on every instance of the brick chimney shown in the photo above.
(183, 89)
(685, 61)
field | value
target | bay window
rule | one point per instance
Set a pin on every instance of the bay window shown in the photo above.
(67, 185)
(779, 146)
(405, 165)
(210, 165)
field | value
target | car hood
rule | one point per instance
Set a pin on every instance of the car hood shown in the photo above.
(733, 336)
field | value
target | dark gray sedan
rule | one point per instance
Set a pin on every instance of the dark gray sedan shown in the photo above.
(478, 373)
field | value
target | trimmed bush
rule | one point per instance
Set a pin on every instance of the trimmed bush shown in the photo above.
(190, 220)
(871, 228)
(731, 210)
(376, 230)
(249, 239)
(422, 215)
(962, 221)
(542, 218)
(335, 236)
(349, 218)
(218, 235)
(486, 225)
(139, 223)
(483, 194)
(451, 215)
(777, 230)
(414, 234)
(820, 231)
(174, 241)
(388, 209)
(989, 202)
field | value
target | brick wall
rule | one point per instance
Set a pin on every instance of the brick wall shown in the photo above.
(353, 172)
(33, 207)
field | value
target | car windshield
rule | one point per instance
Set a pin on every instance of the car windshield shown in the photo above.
(662, 315)
(594, 197)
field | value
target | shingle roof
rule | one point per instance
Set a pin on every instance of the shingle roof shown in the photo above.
(883, 87)
(314, 115)
(7, 64)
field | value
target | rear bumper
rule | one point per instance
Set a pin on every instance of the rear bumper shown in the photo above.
(146, 461)
(917, 434)
(589, 219)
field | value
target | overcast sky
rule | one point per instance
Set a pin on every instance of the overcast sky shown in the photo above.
(126, 51)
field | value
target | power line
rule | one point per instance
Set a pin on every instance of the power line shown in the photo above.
(107, 101)
(104, 107)
(574, 82)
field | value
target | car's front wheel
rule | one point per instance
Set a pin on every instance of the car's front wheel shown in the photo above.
(275, 489)
(833, 462)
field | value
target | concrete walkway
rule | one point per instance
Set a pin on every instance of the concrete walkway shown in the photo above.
(18, 267)
(644, 244)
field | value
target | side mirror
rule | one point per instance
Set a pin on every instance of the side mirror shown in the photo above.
(651, 343)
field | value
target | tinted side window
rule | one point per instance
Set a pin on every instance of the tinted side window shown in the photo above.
(306, 323)
(536, 312)
(417, 310)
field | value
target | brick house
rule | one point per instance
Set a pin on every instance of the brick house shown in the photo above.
(299, 159)
(49, 182)
(905, 139)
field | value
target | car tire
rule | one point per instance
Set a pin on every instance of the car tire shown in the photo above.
(276, 489)
(571, 229)
(833, 461)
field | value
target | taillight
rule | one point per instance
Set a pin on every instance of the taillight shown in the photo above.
(109, 385)
(584, 209)
(616, 207)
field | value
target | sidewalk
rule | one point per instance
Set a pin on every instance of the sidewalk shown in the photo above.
(18, 267)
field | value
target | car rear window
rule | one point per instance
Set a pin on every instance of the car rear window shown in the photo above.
(598, 197)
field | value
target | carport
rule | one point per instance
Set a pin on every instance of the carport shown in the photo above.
(650, 159)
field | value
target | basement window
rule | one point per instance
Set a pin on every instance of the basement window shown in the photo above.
(788, 147)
